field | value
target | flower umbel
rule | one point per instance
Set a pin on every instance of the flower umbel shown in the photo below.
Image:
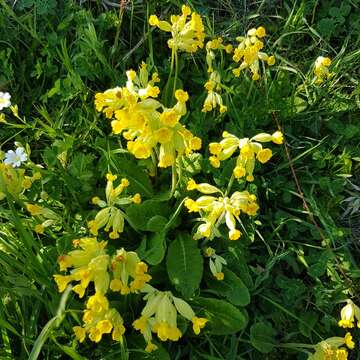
(250, 150)
(110, 216)
(187, 30)
(248, 53)
(217, 210)
(160, 316)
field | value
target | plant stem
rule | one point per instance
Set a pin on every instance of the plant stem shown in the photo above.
(231, 181)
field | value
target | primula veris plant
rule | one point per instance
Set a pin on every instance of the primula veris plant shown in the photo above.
(111, 217)
(248, 53)
(167, 229)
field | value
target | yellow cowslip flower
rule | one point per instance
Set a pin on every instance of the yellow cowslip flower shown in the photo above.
(100, 319)
(11, 181)
(321, 69)
(110, 216)
(174, 139)
(187, 30)
(250, 151)
(127, 266)
(160, 316)
(47, 216)
(216, 263)
(90, 263)
(134, 109)
(213, 99)
(330, 349)
(248, 53)
(217, 210)
(349, 313)
(136, 115)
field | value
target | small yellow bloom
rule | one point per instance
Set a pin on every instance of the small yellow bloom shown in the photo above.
(198, 323)
(260, 32)
(80, 333)
(234, 234)
(34, 210)
(39, 229)
(191, 185)
(239, 172)
(181, 96)
(136, 198)
(277, 137)
(219, 276)
(153, 20)
(150, 347)
(264, 155)
(215, 148)
(110, 177)
(271, 60)
(349, 341)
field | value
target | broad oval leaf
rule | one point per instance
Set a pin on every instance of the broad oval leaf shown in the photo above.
(262, 337)
(184, 264)
(224, 318)
(231, 287)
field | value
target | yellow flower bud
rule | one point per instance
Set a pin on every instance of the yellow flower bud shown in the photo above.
(277, 137)
(136, 199)
(219, 276)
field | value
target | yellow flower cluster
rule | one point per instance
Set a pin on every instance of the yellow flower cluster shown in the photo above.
(321, 69)
(124, 272)
(92, 263)
(126, 265)
(330, 349)
(250, 150)
(100, 319)
(187, 30)
(144, 127)
(248, 53)
(217, 210)
(213, 98)
(213, 85)
(110, 217)
(160, 316)
(14, 181)
(47, 216)
(349, 313)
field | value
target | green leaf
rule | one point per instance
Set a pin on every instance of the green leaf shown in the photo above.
(224, 318)
(309, 319)
(184, 264)
(139, 180)
(140, 214)
(152, 248)
(262, 337)
(156, 223)
(232, 288)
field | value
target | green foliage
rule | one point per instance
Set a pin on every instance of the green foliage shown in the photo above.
(184, 264)
(285, 279)
(224, 318)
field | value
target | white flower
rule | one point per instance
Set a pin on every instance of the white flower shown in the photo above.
(15, 158)
(4, 100)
